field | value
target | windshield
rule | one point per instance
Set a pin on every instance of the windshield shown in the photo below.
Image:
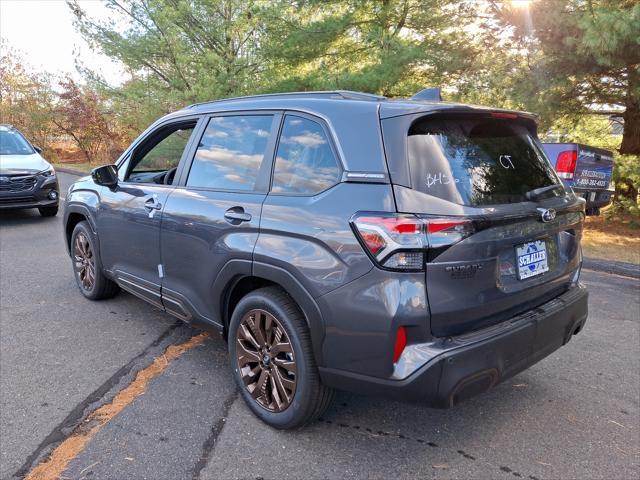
(477, 160)
(13, 143)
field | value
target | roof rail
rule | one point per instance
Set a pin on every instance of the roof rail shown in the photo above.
(328, 94)
(351, 95)
(429, 94)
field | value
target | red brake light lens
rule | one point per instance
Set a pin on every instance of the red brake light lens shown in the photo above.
(504, 115)
(401, 343)
(396, 224)
(374, 241)
(566, 164)
(444, 232)
(438, 225)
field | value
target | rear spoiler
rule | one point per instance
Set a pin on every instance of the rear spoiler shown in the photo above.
(429, 95)
(429, 101)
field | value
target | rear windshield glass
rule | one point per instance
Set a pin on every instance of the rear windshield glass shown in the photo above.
(477, 161)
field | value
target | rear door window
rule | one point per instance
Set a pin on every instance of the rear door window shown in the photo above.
(305, 163)
(477, 161)
(231, 152)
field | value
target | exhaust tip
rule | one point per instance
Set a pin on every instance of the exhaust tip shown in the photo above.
(473, 385)
(576, 329)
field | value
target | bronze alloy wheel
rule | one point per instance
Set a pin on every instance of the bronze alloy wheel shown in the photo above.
(266, 360)
(84, 261)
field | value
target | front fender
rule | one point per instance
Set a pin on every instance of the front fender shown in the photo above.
(85, 203)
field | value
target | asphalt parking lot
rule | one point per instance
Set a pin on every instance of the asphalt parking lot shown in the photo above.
(574, 415)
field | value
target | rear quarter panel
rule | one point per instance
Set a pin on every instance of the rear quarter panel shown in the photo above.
(311, 237)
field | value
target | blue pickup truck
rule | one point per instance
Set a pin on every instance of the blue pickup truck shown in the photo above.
(585, 169)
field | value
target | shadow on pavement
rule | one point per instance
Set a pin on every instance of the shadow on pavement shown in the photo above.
(27, 216)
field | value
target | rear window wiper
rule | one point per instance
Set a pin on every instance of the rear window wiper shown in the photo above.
(536, 193)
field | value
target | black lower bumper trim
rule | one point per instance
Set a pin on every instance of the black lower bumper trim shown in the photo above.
(16, 205)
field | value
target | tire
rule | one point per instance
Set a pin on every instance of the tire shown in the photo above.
(593, 211)
(308, 398)
(48, 211)
(87, 268)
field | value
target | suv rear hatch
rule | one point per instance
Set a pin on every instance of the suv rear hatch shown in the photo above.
(503, 234)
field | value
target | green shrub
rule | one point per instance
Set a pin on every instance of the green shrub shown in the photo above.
(626, 178)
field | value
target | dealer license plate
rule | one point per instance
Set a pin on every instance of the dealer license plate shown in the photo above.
(532, 259)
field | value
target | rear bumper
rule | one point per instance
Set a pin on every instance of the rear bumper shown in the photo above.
(595, 198)
(446, 371)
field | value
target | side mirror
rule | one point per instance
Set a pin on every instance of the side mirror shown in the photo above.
(37, 149)
(107, 176)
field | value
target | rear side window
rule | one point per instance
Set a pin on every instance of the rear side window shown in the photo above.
(476, 160)
(305, 163)
(230, 152)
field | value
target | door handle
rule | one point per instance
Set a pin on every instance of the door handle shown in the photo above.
(237, 215)
(153, 204)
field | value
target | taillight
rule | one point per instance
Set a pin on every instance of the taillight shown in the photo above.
(445, 232)
(404, 242)
(394, 241)
(566, 164)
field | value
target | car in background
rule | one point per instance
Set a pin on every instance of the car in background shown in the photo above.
(26, 179)
(585, 169)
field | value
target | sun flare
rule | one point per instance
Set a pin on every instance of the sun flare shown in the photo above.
(521, 3)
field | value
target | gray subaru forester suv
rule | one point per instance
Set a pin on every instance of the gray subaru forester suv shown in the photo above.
(417, 249)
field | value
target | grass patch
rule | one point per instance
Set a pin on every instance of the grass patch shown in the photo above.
(610, 239)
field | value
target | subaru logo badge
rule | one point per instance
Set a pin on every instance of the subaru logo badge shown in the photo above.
(4, 179)
(547, 214)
